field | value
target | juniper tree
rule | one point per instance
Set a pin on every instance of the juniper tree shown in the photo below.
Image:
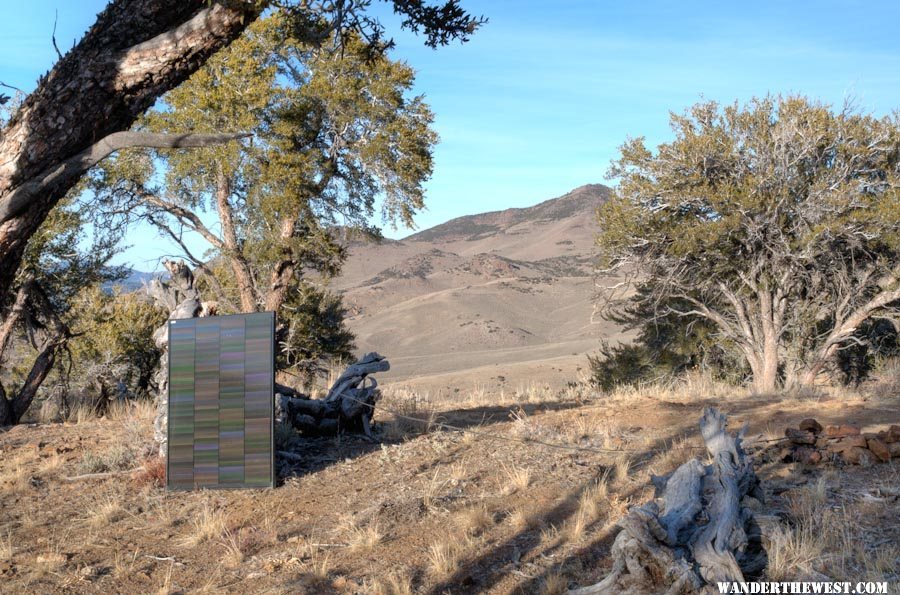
(136, 51)
(778, 222)
(332, 134)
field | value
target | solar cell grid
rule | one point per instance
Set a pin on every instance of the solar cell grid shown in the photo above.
(221, 387)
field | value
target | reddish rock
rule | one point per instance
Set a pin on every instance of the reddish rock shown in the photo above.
(841, 431)
(810, 425)
(822, 442)
(800, 436)
(892, 435)
(807, 455)
(857, 456)
(859, 441)
(835, 447)
(879, 449)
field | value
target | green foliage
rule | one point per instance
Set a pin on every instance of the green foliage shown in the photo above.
(665, 347)
(113, 348)
(335, 135)
(313, 332)
(776, 222)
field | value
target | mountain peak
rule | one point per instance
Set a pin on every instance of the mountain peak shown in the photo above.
(579, 202)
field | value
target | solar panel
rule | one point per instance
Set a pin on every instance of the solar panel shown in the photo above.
(221, 402)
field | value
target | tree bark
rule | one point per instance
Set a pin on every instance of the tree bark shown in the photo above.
(56, 334)
(233, 251)
(283, 272)
(349, 404)
(135, 52)
(700, 531)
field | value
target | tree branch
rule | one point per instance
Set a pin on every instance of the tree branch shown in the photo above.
(74, 167)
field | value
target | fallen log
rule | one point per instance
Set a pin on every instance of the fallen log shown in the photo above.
(698, 531)
(348, 405)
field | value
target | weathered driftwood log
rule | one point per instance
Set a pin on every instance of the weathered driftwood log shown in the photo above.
(698, 531)
(349, 405)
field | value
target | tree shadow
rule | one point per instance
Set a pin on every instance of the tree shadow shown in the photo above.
(486, 570)
(319, 452)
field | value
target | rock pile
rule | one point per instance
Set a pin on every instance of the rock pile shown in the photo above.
(811, 444)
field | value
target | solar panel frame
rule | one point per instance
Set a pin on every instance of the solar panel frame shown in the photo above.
(221, 430)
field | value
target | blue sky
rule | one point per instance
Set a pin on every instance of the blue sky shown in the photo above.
(539, 100)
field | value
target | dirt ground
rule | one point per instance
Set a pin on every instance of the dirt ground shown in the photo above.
(521, 496)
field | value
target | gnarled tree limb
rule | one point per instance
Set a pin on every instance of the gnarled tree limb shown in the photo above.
(699, 531)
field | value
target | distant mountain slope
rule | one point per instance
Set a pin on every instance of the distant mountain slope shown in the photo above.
(580, 201)
(495, 288)
(134, 281)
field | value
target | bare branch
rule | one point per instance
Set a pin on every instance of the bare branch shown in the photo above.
(64, 173)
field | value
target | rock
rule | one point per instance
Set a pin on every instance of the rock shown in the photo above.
(786, 455)
(800, 436)
(879, 449)
(807, 456)
(87, 572)
(892, 435)
(810, 425)
(841, 431)
(859, 441)
(857, 456)
(822, 442)
(894, 448)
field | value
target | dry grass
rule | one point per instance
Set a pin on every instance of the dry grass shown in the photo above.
(554, 584)
(431, 490)
(474, 520)
(679, 451)
(319, 564)
(621, 469)
(51, 465)
(592, 503)
(234, 552)
(119, 457)
(105, 512)
(517, 480)
(410, 413)
(208, 525)
(522, 519)
(443, 556)
(826, 538)
(123, 564)
(165, 588)
(15, 479)
(361, 538)
(394, 584)
(7, 549)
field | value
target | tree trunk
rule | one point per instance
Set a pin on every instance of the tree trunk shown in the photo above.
(55, 333)
(767, 379)
(349, 405)
(136, 51)
(698, 532)
(812, 371)
(283, 272)
(233, 251)
(39, 371)
(182, 300)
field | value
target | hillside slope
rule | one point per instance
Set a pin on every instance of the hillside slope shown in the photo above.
(499, 292)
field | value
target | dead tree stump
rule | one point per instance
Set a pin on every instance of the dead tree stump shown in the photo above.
(698, 531)
(349, 405)
(180, 298)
